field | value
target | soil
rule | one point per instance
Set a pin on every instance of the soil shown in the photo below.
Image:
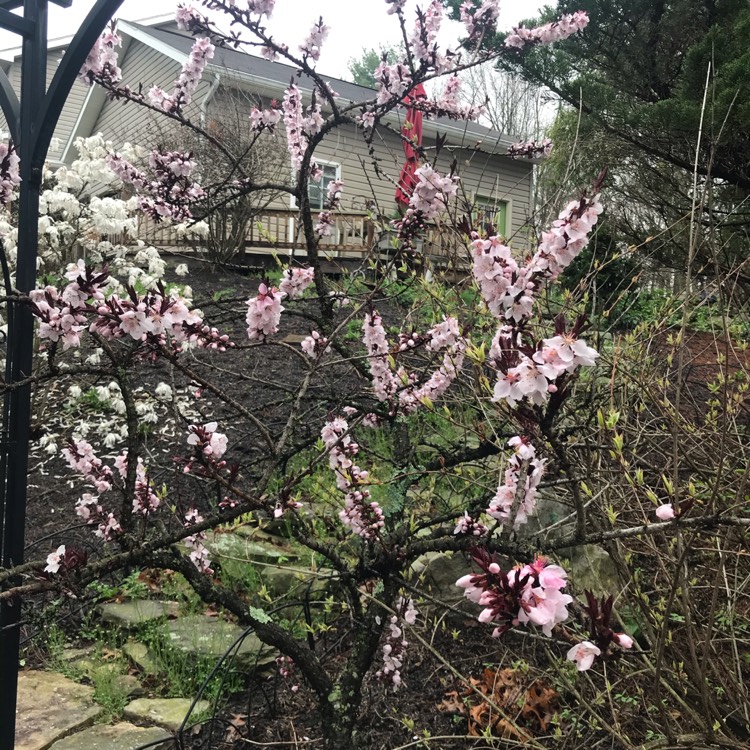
(265, 380)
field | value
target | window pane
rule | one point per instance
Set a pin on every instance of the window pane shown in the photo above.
(488, 211)
(318, 190)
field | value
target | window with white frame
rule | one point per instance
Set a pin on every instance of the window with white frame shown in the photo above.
(317, 191)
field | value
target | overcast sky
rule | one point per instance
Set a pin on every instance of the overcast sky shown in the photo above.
(355, 24)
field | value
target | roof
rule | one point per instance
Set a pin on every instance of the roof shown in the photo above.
(275, 77)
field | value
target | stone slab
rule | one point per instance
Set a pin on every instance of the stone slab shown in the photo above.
(122, 736)
(50, 707)
(139, 654)
(165, 712)
(130, 615)
(211, 637)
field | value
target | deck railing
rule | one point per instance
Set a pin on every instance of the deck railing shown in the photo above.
(353, 235)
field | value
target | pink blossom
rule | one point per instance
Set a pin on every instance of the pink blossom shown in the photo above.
(190, 76)
(525, 594)
(479, 21)
(264, 313)
(315, 344)
(295, 280)
(665, 512)
(530, 149)
(314, 40)
(468, 526)
(623, 640)
(101, 63)
(502, 504)
(54, 559)
(361, 514)
(294, 123)
(261, 7)
(584, 654)
(549, 33)
(395, 644)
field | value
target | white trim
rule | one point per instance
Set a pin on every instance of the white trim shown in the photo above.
(150, 41)
(73, 132)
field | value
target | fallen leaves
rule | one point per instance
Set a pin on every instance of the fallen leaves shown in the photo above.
(504, 703)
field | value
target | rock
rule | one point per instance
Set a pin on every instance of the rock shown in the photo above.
(590, 567)
(129, 615)
(252, 557)
(123, 736)
(50, 707)
(211, 637)
(438, 572)
(141, 657)
(165, 712)
(129, 686)
(293, 338)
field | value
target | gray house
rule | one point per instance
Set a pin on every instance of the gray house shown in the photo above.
(492, 185)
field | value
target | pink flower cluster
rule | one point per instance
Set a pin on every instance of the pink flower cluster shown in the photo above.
(333, 199)
(82, 459)
(189, 19)
(168, 192)
(395, 644)
(10, 177)
(549, 33)
(395, 6)
(449, 105)
(315, 345)
(199, 554)
(525, 594)
(295, 280)
(153, 319)
(530, 149)
(469, 526)
(423, 40)
(479, 21)
(362, 515)
(524, 373)
(509, 289)
(392, 81)
(212, 445)
(314, 40)
(567, 236)
(387, 384)
(261, 7)
(184, 87)
(100, 65)
(264, 310)
(294, 122)
(432, 191)
(503, 506)
(264, 119)
(298, 125)
(264, 313)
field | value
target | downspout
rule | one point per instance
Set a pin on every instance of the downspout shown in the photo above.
(207, 98)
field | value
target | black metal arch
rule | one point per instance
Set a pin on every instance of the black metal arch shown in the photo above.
(31, 120)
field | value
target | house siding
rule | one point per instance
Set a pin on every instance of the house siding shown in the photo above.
(124, 121)
(70, 111)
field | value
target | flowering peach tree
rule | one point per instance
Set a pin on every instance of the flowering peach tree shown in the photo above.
(501, 364)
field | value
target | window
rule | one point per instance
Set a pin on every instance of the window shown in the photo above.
(490, 211)
(317, 191)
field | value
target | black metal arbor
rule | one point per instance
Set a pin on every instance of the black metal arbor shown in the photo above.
(31, 120)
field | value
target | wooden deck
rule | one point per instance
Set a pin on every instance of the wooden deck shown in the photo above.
(354, 236)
